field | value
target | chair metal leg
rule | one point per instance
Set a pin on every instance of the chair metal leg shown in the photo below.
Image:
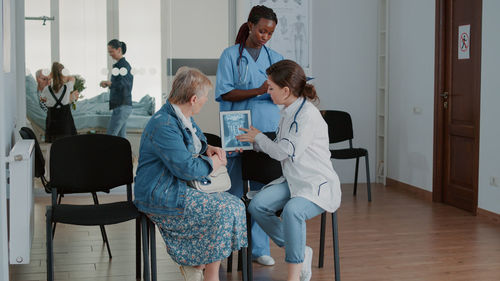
(96, 202)
(368, 187)
(138, 222)
(336, 257)
(103, 230)
(54, 224)
(322, 240)
(249, 248)
(53, 230)
(49, 245)
(356, 177)
(152, 243)
(240, 261)
(230, 263)
(145, 248)
(244, 272)
(105, 240)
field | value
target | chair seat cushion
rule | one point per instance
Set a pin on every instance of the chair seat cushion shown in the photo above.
(348, 153)
(102, 214)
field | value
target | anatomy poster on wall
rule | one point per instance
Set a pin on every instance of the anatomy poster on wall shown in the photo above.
(292, 35)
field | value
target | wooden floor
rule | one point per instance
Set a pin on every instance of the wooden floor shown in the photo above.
(398, 236)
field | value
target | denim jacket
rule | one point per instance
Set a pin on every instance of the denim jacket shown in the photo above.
(120, 91)
(167, 159)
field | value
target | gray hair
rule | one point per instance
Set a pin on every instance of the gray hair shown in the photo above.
(38, 73)
(187, 83)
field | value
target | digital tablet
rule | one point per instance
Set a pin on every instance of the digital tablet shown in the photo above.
(230, 124)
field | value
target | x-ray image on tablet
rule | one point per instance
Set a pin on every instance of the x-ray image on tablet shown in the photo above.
(230, 124)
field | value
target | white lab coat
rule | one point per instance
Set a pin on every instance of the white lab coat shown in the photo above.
(303, 151)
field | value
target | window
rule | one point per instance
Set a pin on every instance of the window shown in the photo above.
(83, 44)
(139, 28)
(37, 36)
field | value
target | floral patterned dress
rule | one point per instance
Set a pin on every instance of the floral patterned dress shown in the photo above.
(211, 228)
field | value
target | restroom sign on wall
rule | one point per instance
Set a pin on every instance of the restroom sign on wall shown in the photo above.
(464, 42)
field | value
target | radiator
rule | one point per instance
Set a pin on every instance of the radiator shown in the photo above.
(21, 206)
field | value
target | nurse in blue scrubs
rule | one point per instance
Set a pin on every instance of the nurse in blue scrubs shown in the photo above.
(242, 84)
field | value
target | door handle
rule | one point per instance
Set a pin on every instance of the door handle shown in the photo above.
(444, 95)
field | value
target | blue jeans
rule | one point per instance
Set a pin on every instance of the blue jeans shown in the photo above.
(290, 230)
(118, 122)
(260, 240)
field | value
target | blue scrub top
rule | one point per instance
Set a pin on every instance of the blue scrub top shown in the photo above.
(248, 75)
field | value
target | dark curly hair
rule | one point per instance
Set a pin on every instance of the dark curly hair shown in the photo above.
(258, 12)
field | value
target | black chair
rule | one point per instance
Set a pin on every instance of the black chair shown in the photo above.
(27, 133)
(259, 167)
(213, 140)
(335, 234)
(339, 130)
(148, 234)
(92, 163)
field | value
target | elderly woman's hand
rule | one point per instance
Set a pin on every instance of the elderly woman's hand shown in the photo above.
(249, 136)
(217, 162)
(212, 150)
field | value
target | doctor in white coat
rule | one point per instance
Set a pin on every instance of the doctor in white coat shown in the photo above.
(309, 185)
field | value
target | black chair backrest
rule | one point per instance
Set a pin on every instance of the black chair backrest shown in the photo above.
(213, 140)
(28, 134)
(339, 125)
(90, 163)
(258, 166)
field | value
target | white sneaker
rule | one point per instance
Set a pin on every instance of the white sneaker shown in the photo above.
(305, 273)
(191, 274)
(265, 260)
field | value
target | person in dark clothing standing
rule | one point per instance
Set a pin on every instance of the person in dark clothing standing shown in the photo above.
(120, 89)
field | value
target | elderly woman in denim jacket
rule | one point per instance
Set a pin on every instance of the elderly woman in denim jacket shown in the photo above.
(200, 229)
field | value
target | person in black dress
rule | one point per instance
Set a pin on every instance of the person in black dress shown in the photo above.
(58, 96)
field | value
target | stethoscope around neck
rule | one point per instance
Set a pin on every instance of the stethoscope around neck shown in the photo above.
(292, 125)
(242, 60)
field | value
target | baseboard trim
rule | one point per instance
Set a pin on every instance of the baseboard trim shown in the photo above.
(427, 195)
(419, 192)
(488, 215)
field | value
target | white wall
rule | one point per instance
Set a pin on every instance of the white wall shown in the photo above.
(489, 155)
(8, 104)
(411, 84)
(344, 62)
(204, 38)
